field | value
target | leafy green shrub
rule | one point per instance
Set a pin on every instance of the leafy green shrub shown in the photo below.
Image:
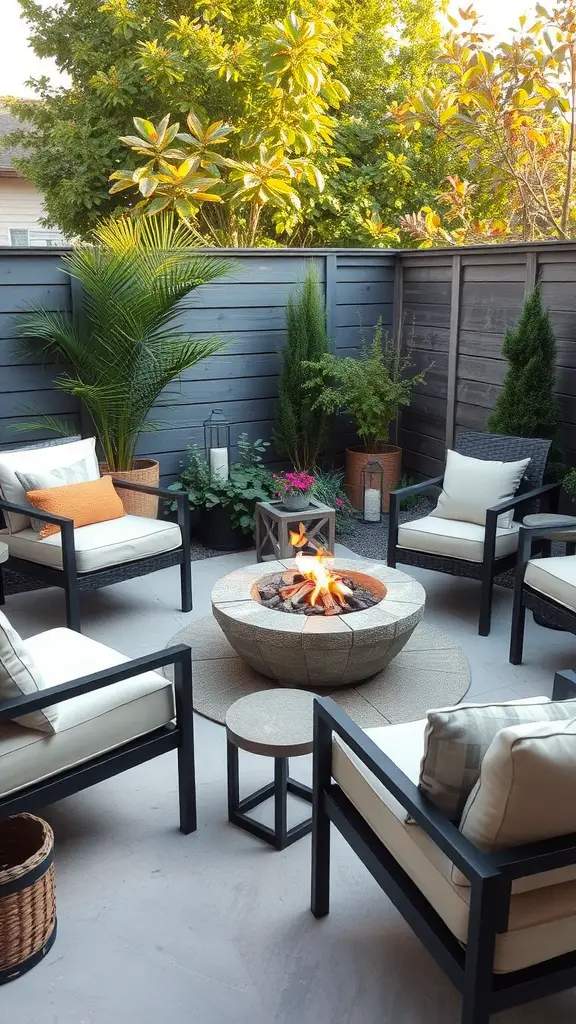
(301, 427)
(249, 481)
(370, 388)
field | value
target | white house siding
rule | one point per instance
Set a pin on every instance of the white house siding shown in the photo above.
(21, 208)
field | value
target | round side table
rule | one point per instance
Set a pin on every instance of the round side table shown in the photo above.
(274, 723)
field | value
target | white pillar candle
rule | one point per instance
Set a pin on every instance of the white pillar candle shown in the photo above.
(219, 464)
(372, 504)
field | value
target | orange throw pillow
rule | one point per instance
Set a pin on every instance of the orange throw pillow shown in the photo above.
(94, 501)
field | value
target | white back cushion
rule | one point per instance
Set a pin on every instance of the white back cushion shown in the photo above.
(20, 675)
(526, 789)
(41, 460)
(473, 485)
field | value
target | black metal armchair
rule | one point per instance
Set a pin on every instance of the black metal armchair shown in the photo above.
(488, 563)
(471, 954)
(75, 581)
(172, 735)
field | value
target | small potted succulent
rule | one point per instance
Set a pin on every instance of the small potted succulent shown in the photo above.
(294, 490)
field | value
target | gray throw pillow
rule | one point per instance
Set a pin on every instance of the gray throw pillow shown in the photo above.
(77, 473)
(456, 740)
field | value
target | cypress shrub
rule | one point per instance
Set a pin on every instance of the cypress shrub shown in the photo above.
(527, 406)
(301, 431)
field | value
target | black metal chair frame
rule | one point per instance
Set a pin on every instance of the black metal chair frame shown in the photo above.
(554, 614)
(490, 566)
(177, 735)
(74, 582)
(469, 967)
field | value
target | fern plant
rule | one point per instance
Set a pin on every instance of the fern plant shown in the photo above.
(129, 344)
(370, 388)
(301, 429)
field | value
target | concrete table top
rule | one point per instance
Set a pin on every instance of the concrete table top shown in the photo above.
(274, 723)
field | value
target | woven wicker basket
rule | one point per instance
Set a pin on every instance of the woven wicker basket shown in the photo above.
(27, 898)
(146, 471)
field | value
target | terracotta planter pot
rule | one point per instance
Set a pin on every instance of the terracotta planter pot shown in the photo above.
(145, 471)
(389, 456)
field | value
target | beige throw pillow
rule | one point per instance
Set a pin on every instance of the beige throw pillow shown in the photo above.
(526, 790)
(19, 675)
(473, 485)
(456, 740)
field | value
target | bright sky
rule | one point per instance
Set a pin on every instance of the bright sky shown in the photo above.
(18, 62)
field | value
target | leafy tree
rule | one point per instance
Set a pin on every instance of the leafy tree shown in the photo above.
(301, 430)
(226, 59)
(526, 406)
(509, 110)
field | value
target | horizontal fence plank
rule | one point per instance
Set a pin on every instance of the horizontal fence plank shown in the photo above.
(20, 298)
(35, 270)
(436, 293)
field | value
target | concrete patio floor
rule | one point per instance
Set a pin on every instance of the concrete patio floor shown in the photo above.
(215, 927)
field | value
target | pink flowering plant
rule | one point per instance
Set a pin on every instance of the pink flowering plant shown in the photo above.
(292, 483)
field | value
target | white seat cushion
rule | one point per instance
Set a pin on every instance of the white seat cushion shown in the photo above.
(542, 921)
(102, 544)
(88, 725)
(554, 577)
(453, 538)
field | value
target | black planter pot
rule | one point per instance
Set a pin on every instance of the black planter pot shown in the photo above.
(215, 531)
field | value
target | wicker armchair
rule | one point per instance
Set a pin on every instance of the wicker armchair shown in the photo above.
(479, 553)
(545, 585)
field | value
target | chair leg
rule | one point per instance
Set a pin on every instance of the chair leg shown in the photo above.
(322, 773)
(186, 761)
(479, 965)
(2, 592)
(186, 583)
(72, 605)
(517, 630)
(485, 617)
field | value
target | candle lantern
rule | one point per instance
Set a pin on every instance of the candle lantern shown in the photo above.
(217, 445)
(371, 480)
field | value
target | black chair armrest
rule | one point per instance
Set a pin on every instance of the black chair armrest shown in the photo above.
(535, 858)
(23, 705)
(395, 502)
(162, 492)
(424, 485)
(26, 510)
(66, 528)
(472, 862)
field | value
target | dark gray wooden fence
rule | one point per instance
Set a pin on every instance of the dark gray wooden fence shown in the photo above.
(452, 305)
(247, 310)
(457, 304)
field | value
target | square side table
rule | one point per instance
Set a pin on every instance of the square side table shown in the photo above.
(273, 523)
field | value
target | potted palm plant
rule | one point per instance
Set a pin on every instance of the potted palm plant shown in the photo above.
(370, 389)
(127, 344)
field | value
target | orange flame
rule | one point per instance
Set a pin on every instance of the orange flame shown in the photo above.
(328, 586)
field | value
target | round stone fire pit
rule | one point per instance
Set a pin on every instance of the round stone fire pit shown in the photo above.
(319, 650)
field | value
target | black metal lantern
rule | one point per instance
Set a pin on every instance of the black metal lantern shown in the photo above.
(371, 481)
(217, 445)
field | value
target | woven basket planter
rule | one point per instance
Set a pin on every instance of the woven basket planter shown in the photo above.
(27, 898)
(146, 471)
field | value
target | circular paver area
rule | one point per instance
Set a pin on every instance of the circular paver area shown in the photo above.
(320, 650)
